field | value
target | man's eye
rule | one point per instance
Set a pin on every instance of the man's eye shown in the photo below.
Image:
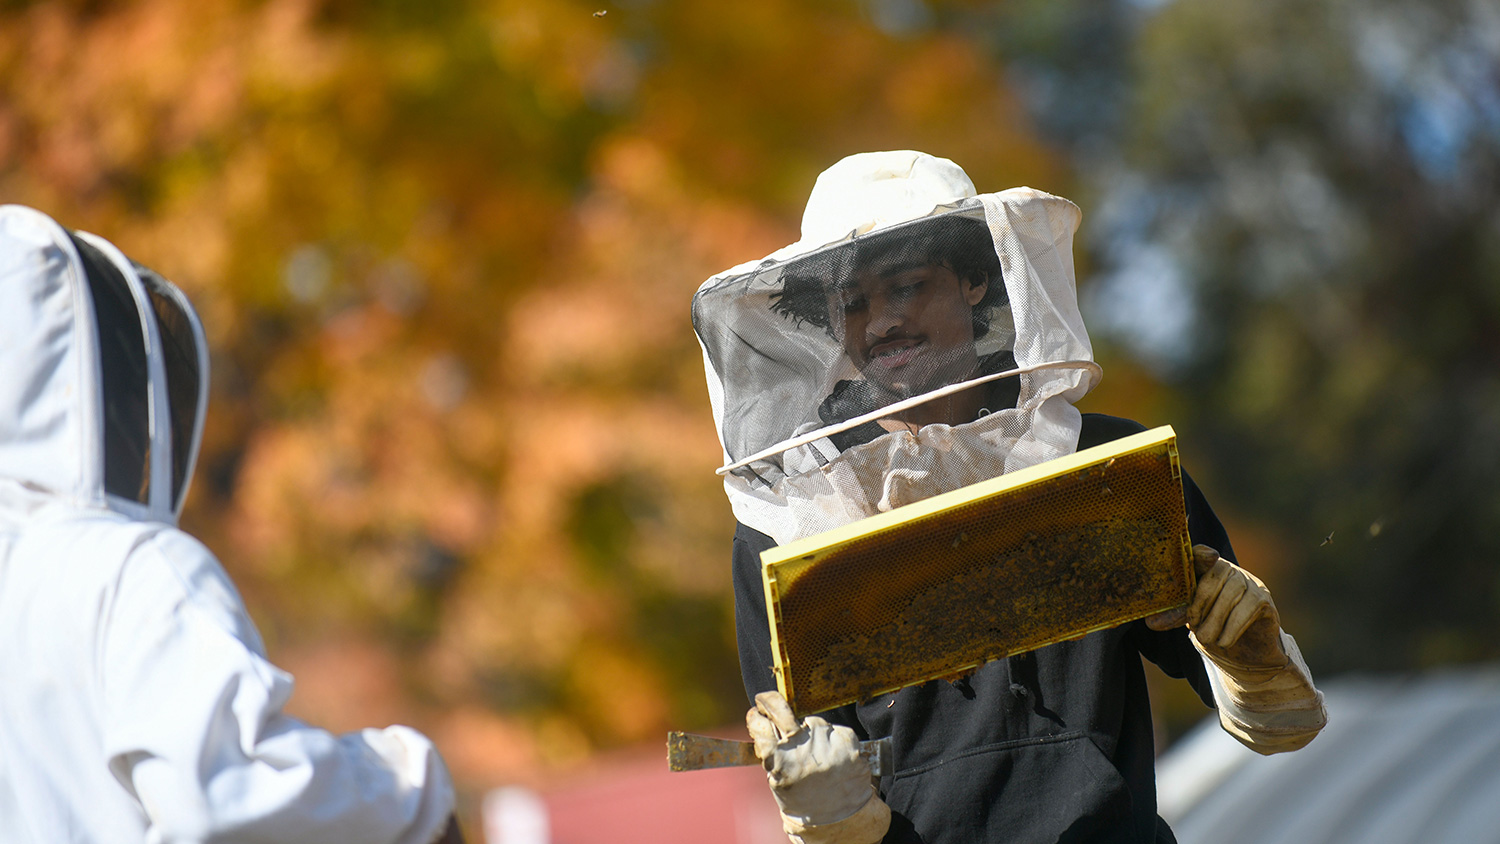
(854, 305)
(908, 290)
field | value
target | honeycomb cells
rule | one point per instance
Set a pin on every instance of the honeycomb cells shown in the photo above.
(997, 575)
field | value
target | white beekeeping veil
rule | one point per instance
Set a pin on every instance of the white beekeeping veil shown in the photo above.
(911, 299)
(103, 375)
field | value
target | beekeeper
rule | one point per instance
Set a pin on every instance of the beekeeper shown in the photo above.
(137, 703)
(917, 339)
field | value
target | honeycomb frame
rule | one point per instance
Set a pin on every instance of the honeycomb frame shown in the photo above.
(1045, 554)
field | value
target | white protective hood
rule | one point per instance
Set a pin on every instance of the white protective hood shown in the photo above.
(116, 427)
(137, 705)
(777, 369)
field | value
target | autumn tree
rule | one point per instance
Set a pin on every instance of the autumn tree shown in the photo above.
(459, 453)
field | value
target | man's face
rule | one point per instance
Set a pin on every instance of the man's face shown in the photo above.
(907, 326)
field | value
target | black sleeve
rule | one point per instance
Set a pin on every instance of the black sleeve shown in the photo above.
(751, 628)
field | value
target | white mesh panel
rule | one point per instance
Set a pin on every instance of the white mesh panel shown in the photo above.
(780, 359)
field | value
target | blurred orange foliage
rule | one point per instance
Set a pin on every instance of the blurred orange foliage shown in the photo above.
(460, 457)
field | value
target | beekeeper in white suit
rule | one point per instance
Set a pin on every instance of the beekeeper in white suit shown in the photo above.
(136, 700)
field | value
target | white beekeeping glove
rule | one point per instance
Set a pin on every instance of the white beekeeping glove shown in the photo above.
(1261, 684)
(819, 779)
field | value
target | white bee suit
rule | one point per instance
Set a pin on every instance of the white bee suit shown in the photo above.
(136, 700)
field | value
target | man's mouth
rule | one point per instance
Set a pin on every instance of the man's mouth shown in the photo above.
(894, 353)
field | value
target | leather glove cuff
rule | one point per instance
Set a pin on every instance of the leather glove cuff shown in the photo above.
(867, 825)
(1270, 710)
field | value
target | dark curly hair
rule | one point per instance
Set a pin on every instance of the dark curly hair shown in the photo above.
(959, 242)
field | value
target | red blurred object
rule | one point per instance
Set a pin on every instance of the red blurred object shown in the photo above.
(638, 801)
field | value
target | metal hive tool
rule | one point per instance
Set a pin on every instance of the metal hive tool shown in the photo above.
(937, 588)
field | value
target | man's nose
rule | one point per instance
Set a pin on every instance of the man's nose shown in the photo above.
(885, 317)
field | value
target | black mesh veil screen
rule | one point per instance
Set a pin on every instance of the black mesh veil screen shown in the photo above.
(124, 378)
(846, 330)
(184, 378)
